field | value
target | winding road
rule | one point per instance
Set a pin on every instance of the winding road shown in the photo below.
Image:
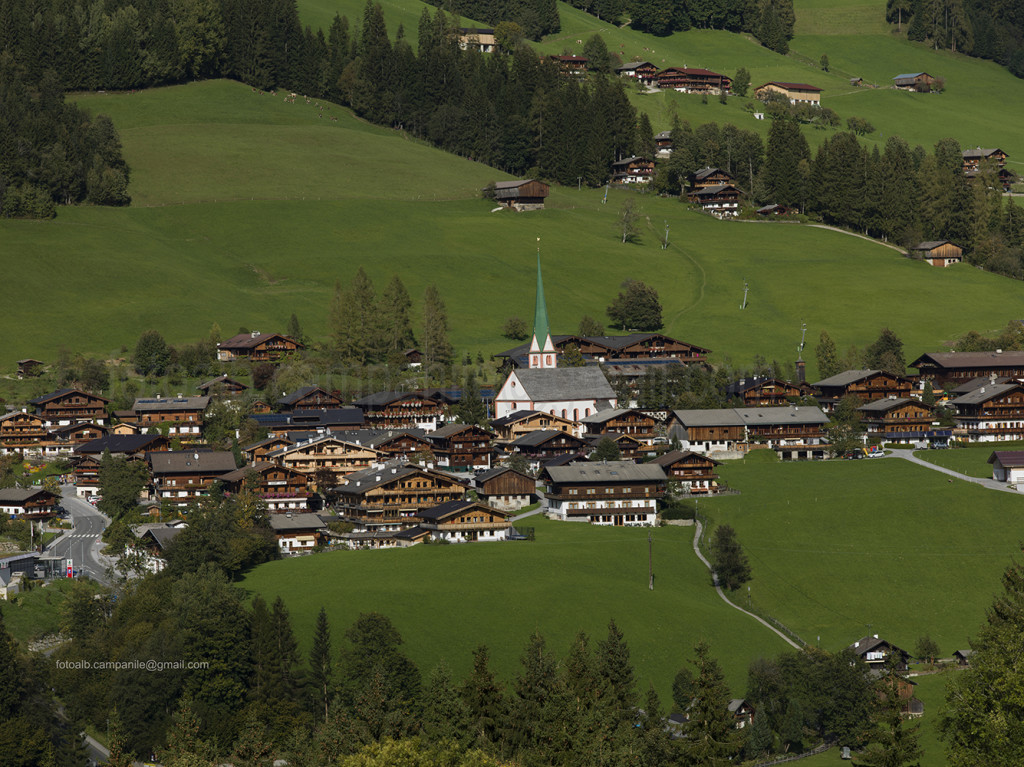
(82, 545)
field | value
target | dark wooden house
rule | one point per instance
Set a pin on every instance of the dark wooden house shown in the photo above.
(462, 447)
(403, 410)
(257, 347)
(795, 93)
(694, 472)
(184, 414)
(922, 82)
(389, 496)
(223, 384)
(991, 413)
(309, 398)
(619, 493)
(644, 71)
(528, 194)
(29, 368)
(182, 477)
(938, 252)
(282, 489)
(947, 369)
(21, 431)
(462, 521)
(706, 177)
(515, 425)
(721, 200)
(573, 66)
(635, 423)
(633, 170)
(541, 445)
(693, 80)
(66, 406)
(505, 488)
(761, 391)
(897, 419)
(866, 385)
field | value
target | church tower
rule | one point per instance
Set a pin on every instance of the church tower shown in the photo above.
(542, 351)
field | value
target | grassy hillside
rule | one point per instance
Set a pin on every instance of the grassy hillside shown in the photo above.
(447, 600)
(331, 196)
(840, 17)
(871, 547)
(971, 460)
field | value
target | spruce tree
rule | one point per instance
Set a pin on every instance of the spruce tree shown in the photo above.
(731, 565)
(470, 407)
(615, 671)
(437, 349)
(485, 702)
(711, 738)
(533, 720)
(320, 668)
(397, 327)
(445, 716)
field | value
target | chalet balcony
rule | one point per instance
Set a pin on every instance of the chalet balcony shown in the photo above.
(464, 526)
(586, 497)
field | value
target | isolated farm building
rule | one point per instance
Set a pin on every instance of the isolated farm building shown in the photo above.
(463, 521)
(973, 158)
(513, 426)
(694, 472)
(644, 71)
(991, 413)
(963, 657)
(618, 493)
(877, 653)
(707, 177)
(222, 385)
(298, 533)
(897, 419)
(182, 477)
(27, 502)
(404, 409)
(761, 391)
(184, 414)
(955, 368)
(574, 66)
(65, 406)
(774, 209)
(22, 431)
(282, 488)
(663, 142)
(257, 347)
(387, 496)
(795, 93)
(938, 252)
(922, 82)
(462, 447)
(742, 713)
(480, 38)
(309, 398)
(528, 194)
(693, 80)
(505, 488)
(721, 200)
(1008, 466)
(867, 385)
(633, 170)
(28, 368)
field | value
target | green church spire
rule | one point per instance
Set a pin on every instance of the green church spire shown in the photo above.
(540, 315)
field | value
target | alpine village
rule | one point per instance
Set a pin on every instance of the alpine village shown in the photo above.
(586, 383)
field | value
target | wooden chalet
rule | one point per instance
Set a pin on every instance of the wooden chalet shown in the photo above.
(29, 368)
(86, 458)
(990, 413)
(867, 385)
(182, 477)
(184, 414)
(222, 385)
(706, 177)
(946, 369)
(795, 93)
(387, 497)
(707, 431)
(462, 521)
(794, 432)
(64, 439)
(877, 653)
(505, 488)
(125, 427)
(633, 170)
(65, 406)
(539, 446)
(663, 144)
(298, 534)
(413, 357)
(22, 431)
(772, 209)
(922, 82)
(257, 347)
(260, 450)
(28, 503)
(630, 448)
(760, 391)
(527, 194)
(963, 657)
(938, 252)
(619, 493)
(897, 419)
(644, 71)
(403, 410)
(721, 200)
(478, 38)
(462, 447)
(152, 540)
(694, 472)
(573, 66)
(742, 713)
(974, 159)
(513, 426)
(631, 346)
(282, 488)
(692, 80)
(309, 398)
(337, 419)
(325, 452)
(635, 423)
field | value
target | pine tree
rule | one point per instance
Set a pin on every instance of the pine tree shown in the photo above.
(184, 746)
(615, 671)
(711, 737)
(355, 321)
(445, 716)
(320, 669)
(532, 721)
(731, 565)
(397, 327)
(759, 739)
(117, 743)
(437, 349)
(485, 702)
(471, 408)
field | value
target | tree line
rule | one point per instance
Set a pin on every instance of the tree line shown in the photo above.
(987, 29)
(535, 18)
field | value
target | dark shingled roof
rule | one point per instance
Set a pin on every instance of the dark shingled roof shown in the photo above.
(672, 456)
(60, 393)
(846, 378)
(282, 523)
(119, 443)
(1010, 459)
(984, 394)
(606, 471)
(189, 461)
(540, 436)
(986, 360)
(163, 404)
(295, 396)
(224, 379)
(554, 384)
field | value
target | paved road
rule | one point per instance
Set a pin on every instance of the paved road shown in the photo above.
(696, 550)
(82, 544)
(542, 509)
(991, 484)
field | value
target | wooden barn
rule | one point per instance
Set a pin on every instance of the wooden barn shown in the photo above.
(922, 82)
(795, 93)
(528, 194)
(938, 253)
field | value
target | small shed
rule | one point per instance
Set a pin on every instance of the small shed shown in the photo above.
(938, 252)
(963, 657)
(527, 194)
(1007, 466)
(29, 368)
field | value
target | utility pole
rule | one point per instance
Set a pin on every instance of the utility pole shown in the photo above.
(745, 289)
(650, 561)
(579, 183)
(664, 245)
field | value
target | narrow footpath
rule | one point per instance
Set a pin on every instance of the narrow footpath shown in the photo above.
(696, 550)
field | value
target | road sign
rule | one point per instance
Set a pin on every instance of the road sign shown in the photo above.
(70, 570)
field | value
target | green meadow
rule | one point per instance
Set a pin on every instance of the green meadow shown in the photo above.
(971, 460)
(882, 546)
(447, 600)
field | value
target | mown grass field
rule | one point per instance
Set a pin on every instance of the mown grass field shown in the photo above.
(852, 548)
(302, 202)
(447, 600)
(971, 460)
